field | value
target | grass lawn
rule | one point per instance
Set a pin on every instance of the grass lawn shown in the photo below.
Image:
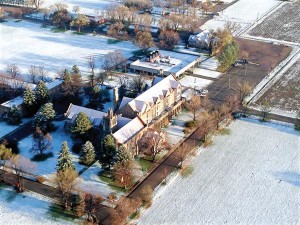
(145, 163)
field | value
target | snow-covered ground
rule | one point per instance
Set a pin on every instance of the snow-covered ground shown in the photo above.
(6, 128)
(25, 44)
(28, 209)
(48, 167)
(206, 73)
(195, 82)
(211, 63)
(88, 7)
(90, 182)
(244, 12)
(250, 176)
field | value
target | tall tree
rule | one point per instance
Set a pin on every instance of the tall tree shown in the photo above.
(64, 159)
(144, 40)
(152, 143)
(123, 173)
(14, 115)
(108, 152)
(81, 21)
(87, 156)
(193, 105)
(96, 100)
(66, 183)
(137, 83)
(82, 126)
(29, 98)
(168, 39)
(41, 142)
(42, 93)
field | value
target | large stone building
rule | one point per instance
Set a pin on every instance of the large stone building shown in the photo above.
(155, 107)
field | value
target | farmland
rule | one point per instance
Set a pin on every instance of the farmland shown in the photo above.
(285, 93)
(283, 24)
(248, 177)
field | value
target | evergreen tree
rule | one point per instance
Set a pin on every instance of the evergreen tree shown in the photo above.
(14, 115)
(64, 159)
(48, 111)
(75, 69)
(228, 56)
(43, 117)
(123, 154)
(42, 93)
(41, 122)
(108, 153)
(67, 83)
(96, 99)
(29, 100)
(87, 156)
(81, 126)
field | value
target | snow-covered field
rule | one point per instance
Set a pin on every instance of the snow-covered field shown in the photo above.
(283, 24)
(284, 94)
(25, 44)
(48, 167)
(88, 7)
(249, 177)
(28, 209)
(244, 12)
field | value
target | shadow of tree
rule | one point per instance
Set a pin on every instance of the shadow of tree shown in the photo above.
(289, 177)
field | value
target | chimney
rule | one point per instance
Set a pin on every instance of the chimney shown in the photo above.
(116, 97)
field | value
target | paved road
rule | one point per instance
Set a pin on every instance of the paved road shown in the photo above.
(30, 185)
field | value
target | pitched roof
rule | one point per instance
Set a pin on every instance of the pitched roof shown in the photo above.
(125, 101)
(95, 116)
(128, 131)
(149, 97)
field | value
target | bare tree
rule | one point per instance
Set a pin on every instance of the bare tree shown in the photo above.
(193, 105)
(265, 109)
(205, 124)
(144, 40)
(42, 73)
(245, 89)
(66, 183)
(233, 27)
(182, 152)
(123, 173)
(33, 73)
(41, 142)
(137, 83)
(152, 143)
(122, 80)
(21, 166)
(92, 66)
(92, 206)
(36, 3)
(13, 70)
(76, 9)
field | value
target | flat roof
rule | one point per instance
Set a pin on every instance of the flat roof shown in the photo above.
(177, 62)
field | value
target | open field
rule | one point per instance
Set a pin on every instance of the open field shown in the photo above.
(285, 93)
(243, 12)
(264, 56)
(29, 209)
(25, 44)
(249, 177)
(283, 24)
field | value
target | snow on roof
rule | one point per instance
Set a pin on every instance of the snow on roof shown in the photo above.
(156, 80)
(149, 97)
(16, 101)
(125, 101)
(128, 131)
(53, 84)
(204, 36)
(94, 115)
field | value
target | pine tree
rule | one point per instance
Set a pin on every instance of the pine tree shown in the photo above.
(81, 126)
(75, 69)
(67, 83)
(29, 100)
(14, 115)
(64, 159)
(48, 111)
(87, 156)
(108, 153)
(42, 93)
(96, 99)
(41, 122)
(123, 154)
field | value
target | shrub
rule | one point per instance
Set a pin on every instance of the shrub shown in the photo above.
(190, 124)
(40, 179)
